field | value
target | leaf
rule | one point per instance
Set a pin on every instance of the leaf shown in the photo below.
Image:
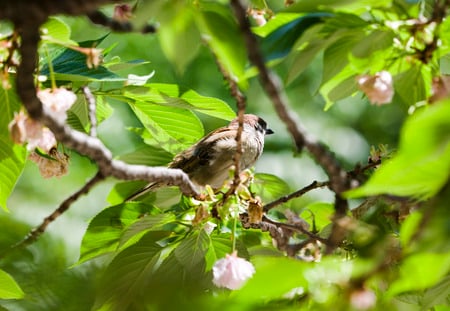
(78, 115)
(319, 212)
(12, 156)
(420, 271)
(178, 34)
(269, 187)
(217, 25)
(422, 165)
(172, 95)
(128, 273)
(9, 289)
(413, 85)
(12, 162)
(105, 229)
(375, 41)
(172, 129)
(279, 42)
(409, 228)
(350, 6)
(286, 273)
(147, 155)
(70, 65)
(54, 30)
(143, 225)
(335, 57)
(191, 252)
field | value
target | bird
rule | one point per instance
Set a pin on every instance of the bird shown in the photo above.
(208, 161)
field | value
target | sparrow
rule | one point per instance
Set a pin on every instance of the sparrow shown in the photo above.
(209, 160)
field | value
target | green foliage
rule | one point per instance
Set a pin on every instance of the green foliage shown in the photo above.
(9, 288)
(420, 167)
(12, 157)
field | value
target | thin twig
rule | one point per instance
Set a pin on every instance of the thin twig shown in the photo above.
(92, 109)
(63, 207)
(296, 194)
(272, 85)
(241, 104)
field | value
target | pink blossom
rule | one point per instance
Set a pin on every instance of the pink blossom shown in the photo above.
(56, 102)
(232, 272)
(363, 299)
(378, 87)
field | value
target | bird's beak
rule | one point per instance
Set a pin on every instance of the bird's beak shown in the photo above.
(269, 131)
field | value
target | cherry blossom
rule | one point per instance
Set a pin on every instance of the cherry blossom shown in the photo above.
(57, 101)
(378, 87)
(232, 271)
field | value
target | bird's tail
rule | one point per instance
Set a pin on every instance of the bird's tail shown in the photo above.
(146, 189)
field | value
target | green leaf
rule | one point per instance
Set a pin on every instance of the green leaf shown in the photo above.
(269, 187)
(105, 229)
(217, 25)
(191, 252)
(147, 155)
(335, 57)
(9, 289)
(172, 95)
(319, 213)
(413, 85)
(78, 115)
(128, 273)
(178, 34)
(70, 65)
(54, 30)
(350, 6)
(279, 42)
(286, 273)
(422, 165)
(218, 248)
(409, 228)
(145, 224)
(12, 157)
(172, 129)
(375, 41)
(420, 271)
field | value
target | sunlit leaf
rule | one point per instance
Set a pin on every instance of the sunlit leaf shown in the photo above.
(420, 271)
(172, 129)
(218, 27)
(319, 213)
(78, 115)
(105, 229)
(128, 273)
(269, 187)
(9, 289)
(280, 41)
(56, 31)
(286, 273)
(422, 165)
(12, 157)
(175, 96)
(178, 34)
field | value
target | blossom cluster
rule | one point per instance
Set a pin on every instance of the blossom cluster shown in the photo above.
(40, 141)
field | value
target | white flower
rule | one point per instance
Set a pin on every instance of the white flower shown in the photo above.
(378, 87)
(56, 102)
(232, 272)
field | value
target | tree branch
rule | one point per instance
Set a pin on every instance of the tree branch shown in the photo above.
(63, 207)
(82, 143)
